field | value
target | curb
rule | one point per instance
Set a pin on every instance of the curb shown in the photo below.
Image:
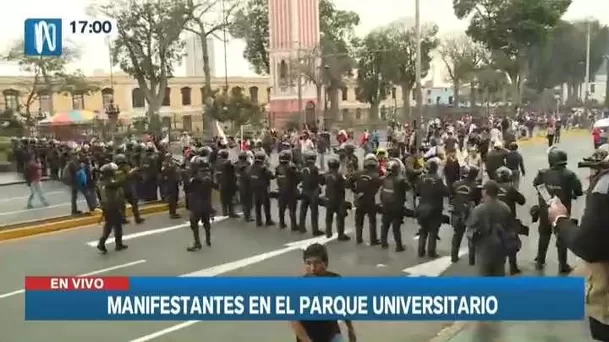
(446, 334)
(64, 223)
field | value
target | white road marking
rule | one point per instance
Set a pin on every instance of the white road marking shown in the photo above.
(433, 268)
(233, 266)
(104, 270)
(67, 204)
(50, 193)
(151, 232)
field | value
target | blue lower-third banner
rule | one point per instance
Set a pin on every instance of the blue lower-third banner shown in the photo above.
(322, 298)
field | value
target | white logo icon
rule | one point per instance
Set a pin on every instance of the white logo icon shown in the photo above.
(45, 32)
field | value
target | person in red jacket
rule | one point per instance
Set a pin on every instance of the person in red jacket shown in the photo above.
(33, 177)
(596, 137)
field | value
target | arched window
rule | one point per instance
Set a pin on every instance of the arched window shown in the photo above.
(186, 92)
(344, 93)
(45, 101)
(138, 100)
(107, 97)
(78, 100)
(254, 94)
(167, 98)
(11, 99)
(283, 74)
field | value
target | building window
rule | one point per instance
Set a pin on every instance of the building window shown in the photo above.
(45, 102)
(428, 101)
(11, 99)
(186, 100)
(394, 93)
(167, 98)
(187, 123)
(107, 97)
(592, 88)
(345, 93)
(450, 100)
(254, 94)
(358, 114)
(78, 101)
(438, 99)
(428, 92)
(414, 95)
(137, 98)
(166, 122)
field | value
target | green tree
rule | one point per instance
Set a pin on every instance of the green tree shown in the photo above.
(462, 57)
(400, 57)
(372, 87)
(509, 28)
(203, 24)
(49, 76)
(251, 23)
(148, 44)
(234, 106)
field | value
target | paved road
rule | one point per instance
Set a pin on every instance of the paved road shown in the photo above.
(158, 248)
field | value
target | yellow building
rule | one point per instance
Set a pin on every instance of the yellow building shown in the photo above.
(182, 105)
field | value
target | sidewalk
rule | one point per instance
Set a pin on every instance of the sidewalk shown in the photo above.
(13, 178)
(524, 331)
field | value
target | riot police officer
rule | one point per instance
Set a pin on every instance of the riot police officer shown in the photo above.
(393, 197)
(335, 183)
(515, 163)
(226, 182)
(310, 193)
(365, 184)
(288, 177)
(127, 177)
(466, 195)
(563, 184)
(170, 186)
(242, 170)
(509, 195)
(200, 187)
(112, 203)
(260, 177)
(431, 190)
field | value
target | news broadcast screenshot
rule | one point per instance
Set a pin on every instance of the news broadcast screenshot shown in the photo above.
(309, 170)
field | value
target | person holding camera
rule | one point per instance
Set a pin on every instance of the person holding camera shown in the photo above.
(589, 241)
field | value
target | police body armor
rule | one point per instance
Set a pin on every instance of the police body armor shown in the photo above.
(286, 178)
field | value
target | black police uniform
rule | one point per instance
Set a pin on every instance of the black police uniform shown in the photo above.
(288, 177)
(242, 170)
(310, 194)
(226, 182)
(466, 195)
(199, 192)
(335, 183)
(127, 177)
(260, 177)
(365, 185)
(431, 190)
(509, 195)
(170, 186)
(112, 202)
(393, 197)
(565, 185)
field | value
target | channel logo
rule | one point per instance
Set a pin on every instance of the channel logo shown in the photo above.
(43, 37)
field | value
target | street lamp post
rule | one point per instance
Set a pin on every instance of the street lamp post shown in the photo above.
(112, 111)
(418, 74)
(587, 80)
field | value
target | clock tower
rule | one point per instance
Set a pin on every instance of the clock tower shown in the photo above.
(293, 35)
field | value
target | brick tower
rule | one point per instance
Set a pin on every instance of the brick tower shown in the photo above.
(294, 33)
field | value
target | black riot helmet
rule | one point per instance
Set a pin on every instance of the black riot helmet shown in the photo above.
(204, 151)
(310, 157)
(557, 157)
(242, 156)
(503, 174)
(333, 164)
(223, 154)
(513, 146)
(371, 161)
(285, 156)
(349, 149)
(259, 157)
(107, 170)
(120, 159)
(394, 167)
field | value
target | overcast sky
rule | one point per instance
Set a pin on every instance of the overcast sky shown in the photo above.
(373, 14)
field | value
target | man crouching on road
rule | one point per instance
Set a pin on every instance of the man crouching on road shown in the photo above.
(316, 265)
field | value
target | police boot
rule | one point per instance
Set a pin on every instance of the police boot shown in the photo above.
(563, 266)
(432, 241)
(197, 243)
(208, 237)
(513, 260)
(101, 247)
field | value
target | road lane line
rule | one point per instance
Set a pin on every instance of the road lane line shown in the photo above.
(433, 268)
(233, 266)
(152, 232)
(50, 193)
(104, 270)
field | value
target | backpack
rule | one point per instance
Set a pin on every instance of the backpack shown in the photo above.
(110, 196)
(506, 239)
